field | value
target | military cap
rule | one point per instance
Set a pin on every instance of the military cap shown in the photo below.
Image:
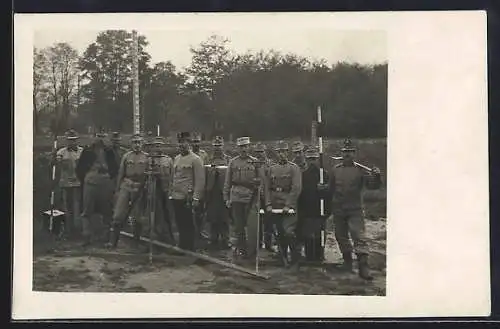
(195, 137)
(149, 134)
(240, 141)
(101, 133)
(218, 141)
(115, 136)
(260, 147)
(281, 145)
(312, 152)
(71, 134)
(297, 146)
(158, 140)
(185, 135)
(348, 146)
(136, 137)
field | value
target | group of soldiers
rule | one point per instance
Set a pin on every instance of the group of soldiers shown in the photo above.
(212, 189)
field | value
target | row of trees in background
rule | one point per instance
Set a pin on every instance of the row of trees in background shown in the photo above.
(266, 95)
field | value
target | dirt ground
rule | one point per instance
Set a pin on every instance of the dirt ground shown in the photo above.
(64, 266)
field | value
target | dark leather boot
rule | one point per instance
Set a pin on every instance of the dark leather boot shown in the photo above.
(364, 271)
(87, 241)
(347, 265)
(114, 237)
(295, 251)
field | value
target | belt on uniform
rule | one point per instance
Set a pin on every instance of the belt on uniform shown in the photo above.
(280, 189)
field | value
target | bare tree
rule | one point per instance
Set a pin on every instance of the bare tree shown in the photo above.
(62, 62)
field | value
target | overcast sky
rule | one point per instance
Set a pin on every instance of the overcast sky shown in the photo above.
(364, 47)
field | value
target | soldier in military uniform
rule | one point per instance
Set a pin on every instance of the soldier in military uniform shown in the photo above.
(346, 185)
(217, 213)
(298, 155)
(240, 187)
(199, 211)
(283, 186)
(163, 168)
(129, 191)
(117, 148)
(96, 168)
(187, 187)
(266, 229)
(67, 159)
(309, 211)
(195, 146)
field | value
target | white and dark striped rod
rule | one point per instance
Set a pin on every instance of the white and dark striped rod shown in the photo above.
(52, 193)
(135, 72)
(321, 167)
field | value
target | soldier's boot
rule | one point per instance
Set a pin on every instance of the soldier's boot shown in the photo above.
(283, 250)
(137, 238)
(364, 271)
(347, 264)
(87, 240)
(268, 242)
(295, 251)
(114, 237)
(224, 242)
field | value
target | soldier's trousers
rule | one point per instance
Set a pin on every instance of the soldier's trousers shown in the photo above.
(71, 197)
(240, 212)
(129, 195)
(350, 223)
(266, 227)
(97, 199)
(217, 218)
(286, 226)
(185, 224)
(309, 232)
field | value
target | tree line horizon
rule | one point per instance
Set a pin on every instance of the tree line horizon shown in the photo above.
(263, 94)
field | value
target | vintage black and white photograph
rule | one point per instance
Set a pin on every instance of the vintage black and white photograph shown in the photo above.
(250, 164)
(216, 162)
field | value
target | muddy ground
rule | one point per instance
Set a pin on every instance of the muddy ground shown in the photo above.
(64, 266)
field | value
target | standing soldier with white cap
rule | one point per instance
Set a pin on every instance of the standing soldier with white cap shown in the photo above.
(240, 186)
(67, 159)
(346, 184)
(217, 213)
(283, 186)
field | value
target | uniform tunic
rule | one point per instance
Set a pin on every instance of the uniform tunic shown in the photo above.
(188, 177)
(346, 186)
(283, 186)
(188, 182)
(239, 187)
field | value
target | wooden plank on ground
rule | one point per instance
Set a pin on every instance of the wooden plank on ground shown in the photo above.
(201, 256)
